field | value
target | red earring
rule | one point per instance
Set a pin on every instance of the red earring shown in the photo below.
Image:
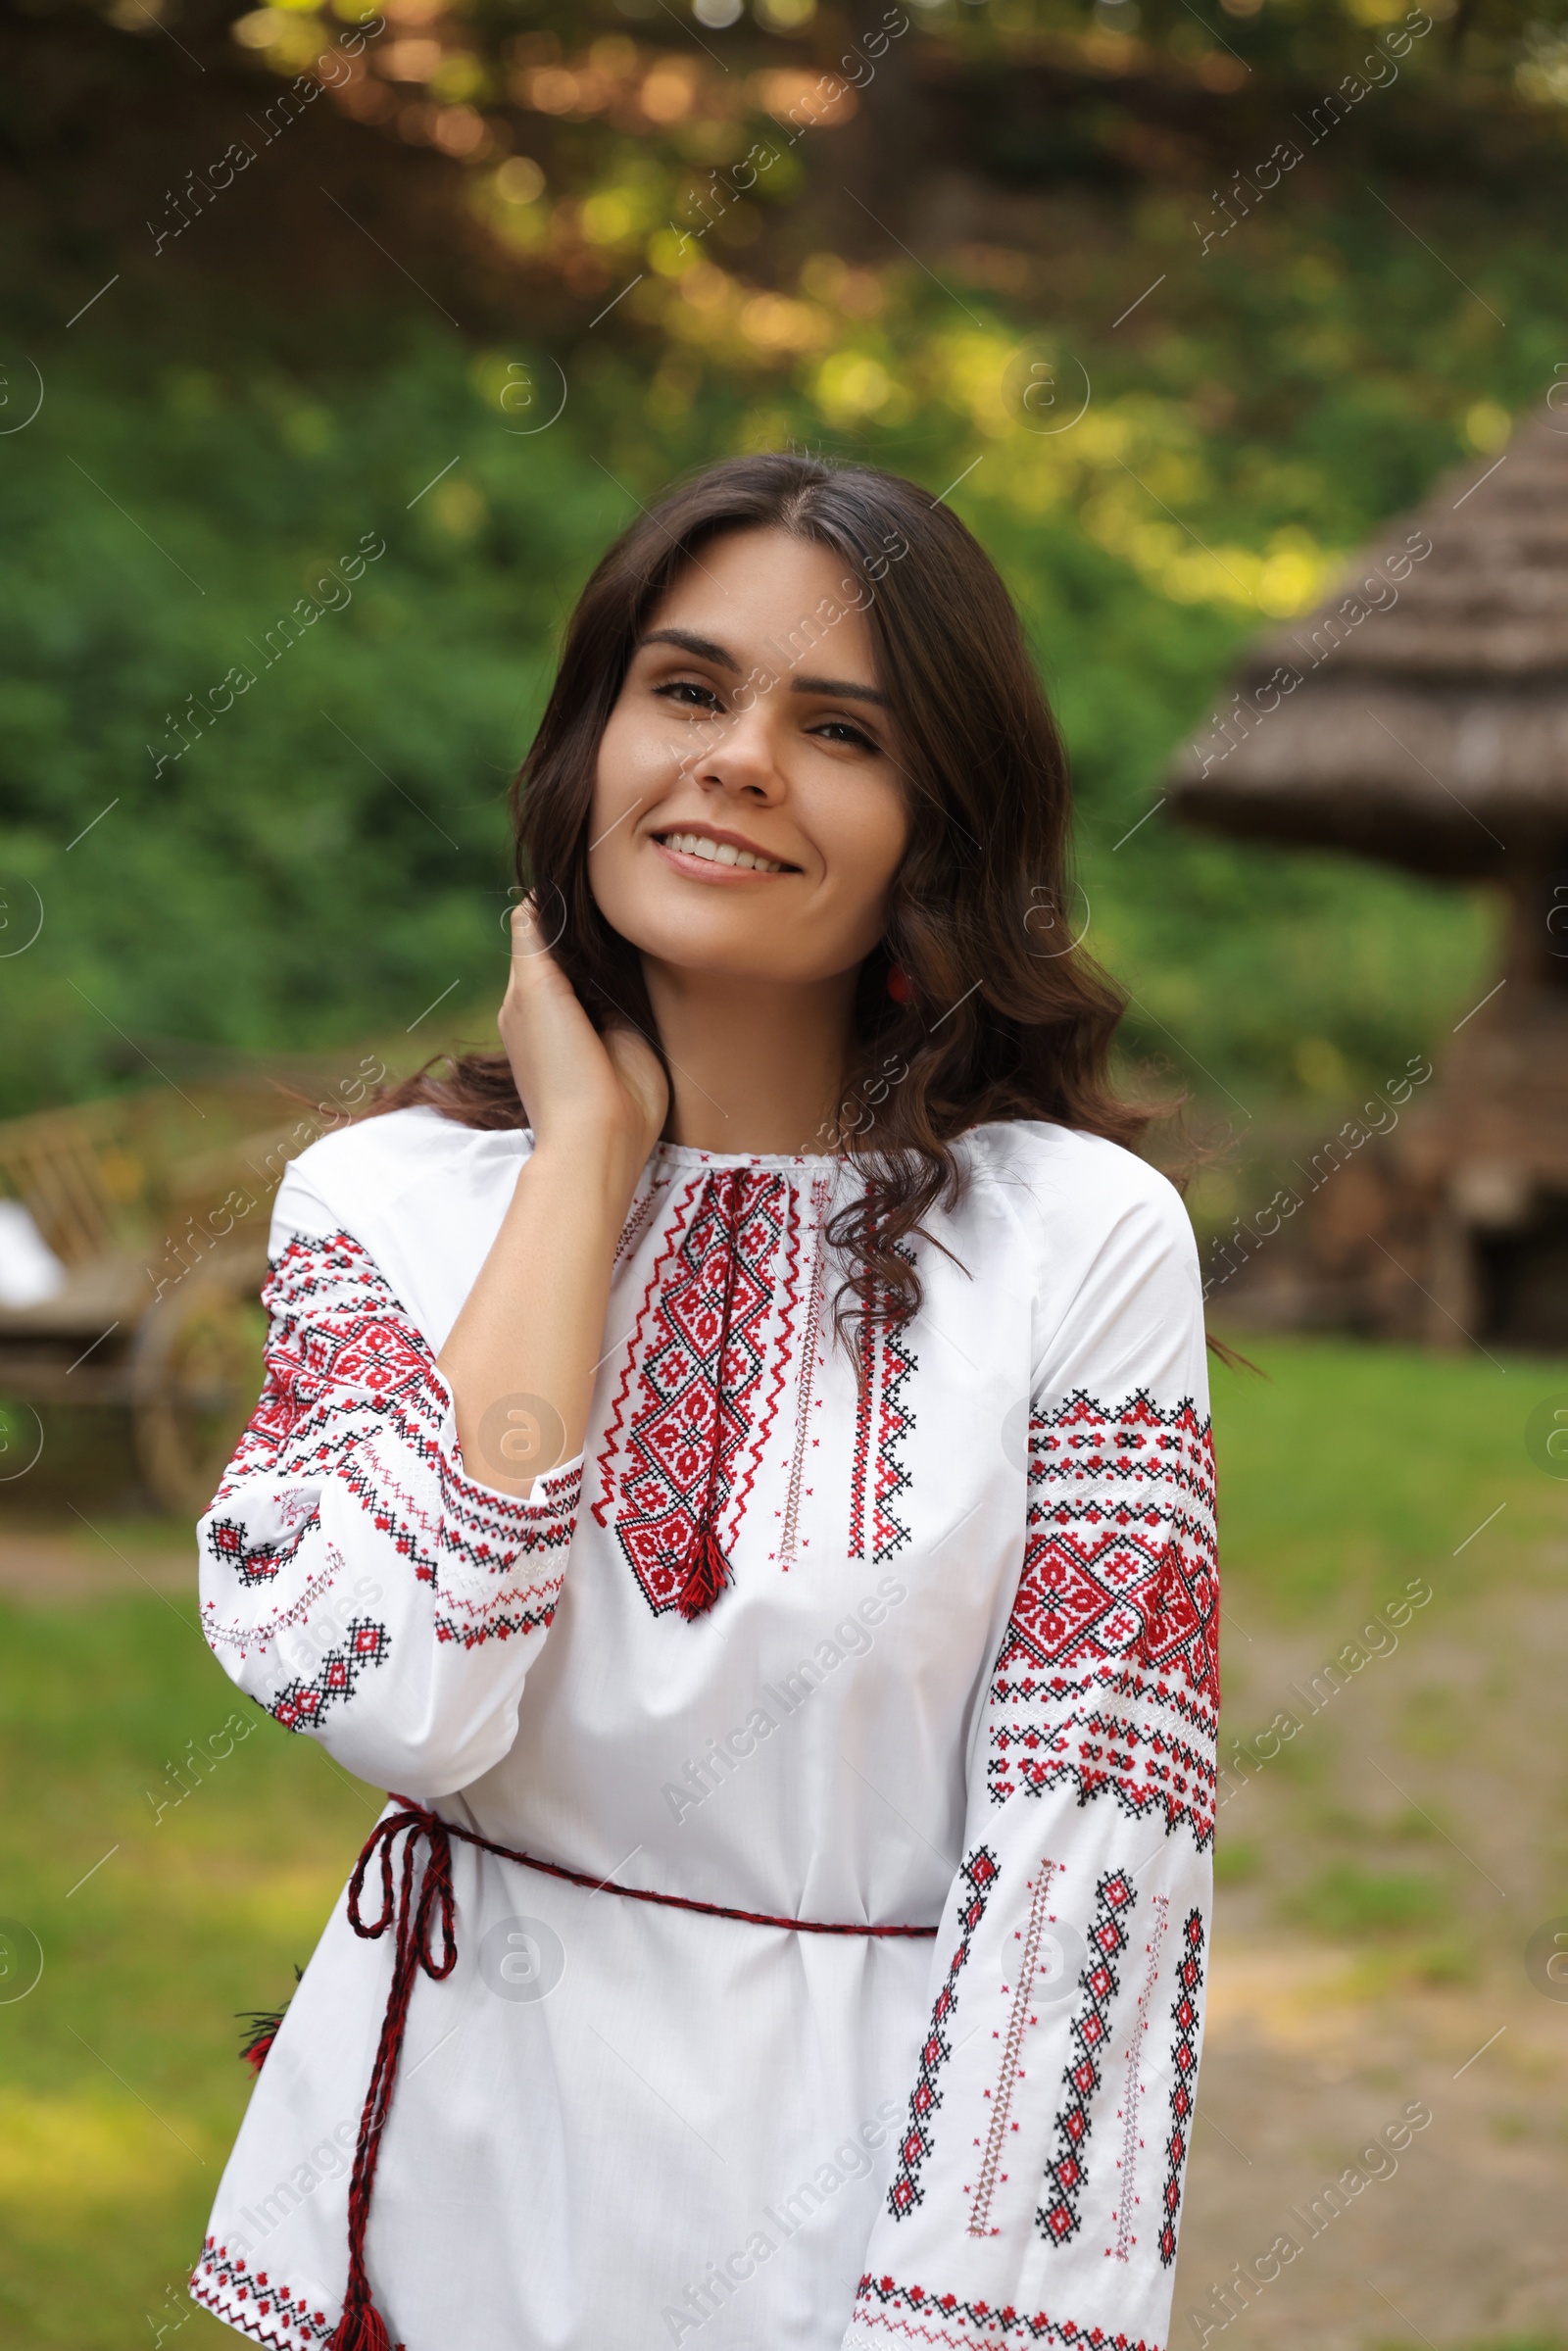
(899, 987)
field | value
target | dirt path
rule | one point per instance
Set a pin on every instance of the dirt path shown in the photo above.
(44, 1568)
(1443, 1765)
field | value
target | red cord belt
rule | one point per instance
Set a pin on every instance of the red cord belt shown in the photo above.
(413, 1923)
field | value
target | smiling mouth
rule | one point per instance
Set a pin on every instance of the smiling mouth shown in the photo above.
(704, 847)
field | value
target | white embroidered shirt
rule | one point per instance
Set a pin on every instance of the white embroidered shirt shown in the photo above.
(961, 1674)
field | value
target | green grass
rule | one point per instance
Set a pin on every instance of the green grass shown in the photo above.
(119, 2083)
(1237, 1862)
(1349, 1475)
(1344, 1473)
(1350, 1902)
(1350, 1469)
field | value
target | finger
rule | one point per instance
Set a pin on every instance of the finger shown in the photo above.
(543, 926)
(528, 936)
(532, 963)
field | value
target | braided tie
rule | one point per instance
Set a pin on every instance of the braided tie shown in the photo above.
(361, 2326)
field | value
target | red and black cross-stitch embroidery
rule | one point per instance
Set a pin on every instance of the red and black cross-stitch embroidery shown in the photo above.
(338, 1340)
(810, 1340)
(688, 1453)
(1010, 2071)
(1131, 2089)
(979, 1874)
(353, 1398)
(917, 2314)
(884, 1423)
(1109, 1730)
(302, 1704)
(255, 1562)
(1121, 1550)
(636, 1224)
(1183, 2066)
(256, 2302)
(1107, 1674)
(251, 1640)
(1058, 2216)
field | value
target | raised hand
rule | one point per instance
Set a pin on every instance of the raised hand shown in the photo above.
(522, 1355)
(580, 1091)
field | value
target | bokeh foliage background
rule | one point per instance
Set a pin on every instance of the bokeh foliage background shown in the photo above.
(415, 266)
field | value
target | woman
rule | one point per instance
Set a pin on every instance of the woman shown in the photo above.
(757, 1517)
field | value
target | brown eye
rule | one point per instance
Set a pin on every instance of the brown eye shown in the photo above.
(841, 730)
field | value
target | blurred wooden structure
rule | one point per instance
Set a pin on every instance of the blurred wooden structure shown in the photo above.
(156, 1204)
(1420, 714)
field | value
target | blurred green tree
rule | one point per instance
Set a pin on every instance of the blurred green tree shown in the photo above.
(325, 273)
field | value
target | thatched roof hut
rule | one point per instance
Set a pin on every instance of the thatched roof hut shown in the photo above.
(1420, 715)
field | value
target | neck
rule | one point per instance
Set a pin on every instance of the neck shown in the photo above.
(755, 1065)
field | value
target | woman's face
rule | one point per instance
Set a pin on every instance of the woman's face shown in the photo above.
(746, 815)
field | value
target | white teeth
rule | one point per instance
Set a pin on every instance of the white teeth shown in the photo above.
(720, 853)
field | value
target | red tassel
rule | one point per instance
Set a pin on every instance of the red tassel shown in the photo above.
(255, 2049)
(705, 1578)
(361, 2328)
(264, 2025)
(707, 1571)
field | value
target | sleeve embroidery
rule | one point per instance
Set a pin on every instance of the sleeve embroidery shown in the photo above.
(1016, 2218)
(1024, 1991)
(252, 1560)
(352, 1397)
(1133, 2088)
(1107, 1677)
(1185, 2018)
(979, 1875)
(1058, 2216)
(365, 1643)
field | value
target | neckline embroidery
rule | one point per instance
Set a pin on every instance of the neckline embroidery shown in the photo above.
(802, 1165)
(680, 1457)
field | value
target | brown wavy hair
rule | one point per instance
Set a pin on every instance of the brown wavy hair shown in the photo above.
(1004, 1015)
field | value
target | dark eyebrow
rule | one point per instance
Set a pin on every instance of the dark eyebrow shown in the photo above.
(706, 650)
(839, 688)
(703, 647)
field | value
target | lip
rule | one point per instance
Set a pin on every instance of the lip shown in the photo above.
(703, 869)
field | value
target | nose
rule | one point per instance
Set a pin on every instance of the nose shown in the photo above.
(737, 756)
